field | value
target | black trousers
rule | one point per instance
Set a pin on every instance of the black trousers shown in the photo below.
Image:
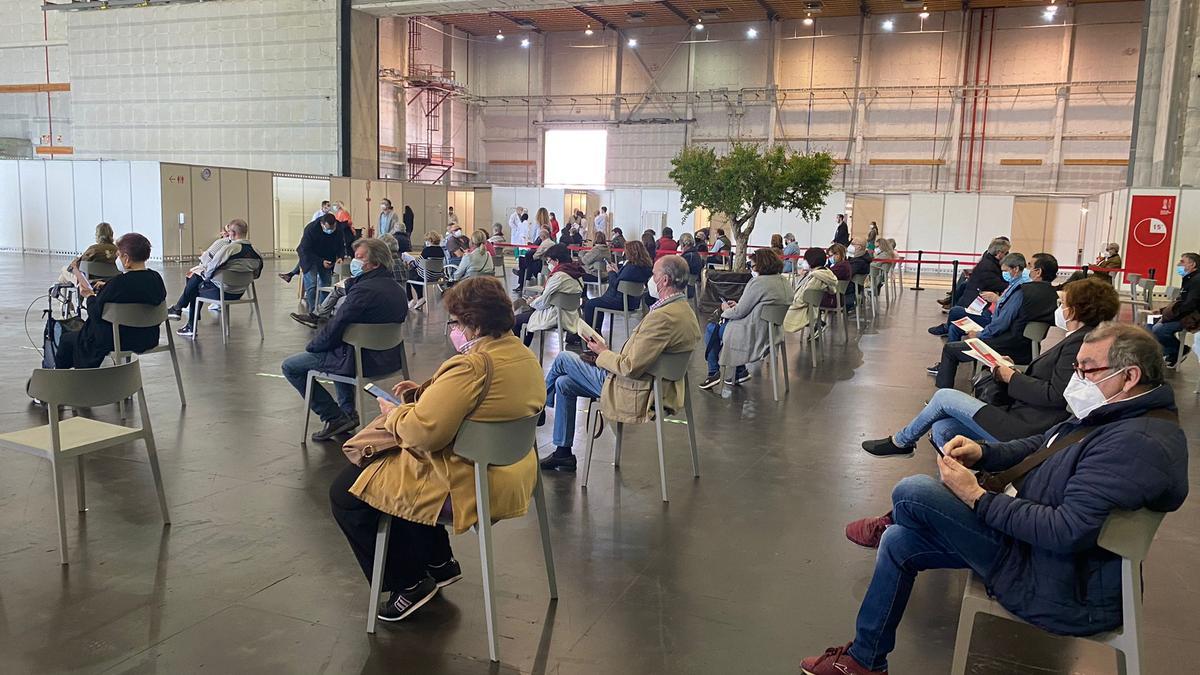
(411, 548)
(953, 353)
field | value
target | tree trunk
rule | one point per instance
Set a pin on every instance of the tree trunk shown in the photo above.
(742, 234)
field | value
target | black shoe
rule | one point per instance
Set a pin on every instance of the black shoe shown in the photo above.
(933, 370)
(446, 573)
(556, 463)
(542, 418)
(405, 602)
(287, 278)
(174, 314)
(939, 329)
(338, 425)
(309, 320)
(573, 340)
(884, 447)
(710, 381)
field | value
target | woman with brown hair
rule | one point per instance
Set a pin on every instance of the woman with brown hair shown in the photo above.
(741, 336)
(423, 483)
(637, 269)
(650, 243)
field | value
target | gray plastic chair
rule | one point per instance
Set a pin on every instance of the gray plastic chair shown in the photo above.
(774, 315)
(340, 271)
(840, 309)
(498, 265)
(142, 316)
(1125, 533)
(485, 444)
(670, 367)
(373, 336)
(564, 302)
(99, 270)
(434, 270)
(864, 292)
(813, 298)
(599, 270)
(1146, 289)
(1035, 332)
(627, 289)
(74, 437)
(250, 297)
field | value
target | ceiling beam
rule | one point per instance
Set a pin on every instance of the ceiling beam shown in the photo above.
(594, 17)
(526, 24)
(676, 11)
(771, 13)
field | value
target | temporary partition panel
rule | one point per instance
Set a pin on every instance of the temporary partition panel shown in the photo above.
(1187, 239)
(176, 189)
(35, 234)
(292, 211)
(206, 209)
(10, 218)
(235, 196)
(958, 225)
(435, 207)
(260, 211)
(89, 207)
(895, 214)
(995, 219)
(676, 217)
(627, 203)
(116, 191)
(60, 207)
(482, 205)
(146, 203)
(867, 209)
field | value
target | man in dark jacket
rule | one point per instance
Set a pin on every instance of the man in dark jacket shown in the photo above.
(234, 253)
(842, 234)
(985, 277)
(321, 246)
(1035, 543)
(372, 296)
(1184, 313)
(1029, 297)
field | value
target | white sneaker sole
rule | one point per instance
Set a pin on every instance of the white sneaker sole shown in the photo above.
(451, 580)
(407, 613)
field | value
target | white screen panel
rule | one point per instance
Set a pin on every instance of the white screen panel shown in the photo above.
(1187, 239)
(89, 207)
(675, 215)
(768, 223)
(551, 198)
(60, 207)
(656, 200)
(960, 216)
(33, 205)
(10, 193)
(925, 223)
(995, 220)
(628, 204)
(116, 196)
(145, 179)
(895, 214)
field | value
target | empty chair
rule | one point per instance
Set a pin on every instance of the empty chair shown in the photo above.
(627, 289)
(1125, 533)
(486, 444)
(98, 269)
(1036, 331)
(74, 437)
(341, 271)
(232, 279)
(498, 264)
(143, 316)
(813, 298)
(773, 315)
(600, 271)
(863, 292)
(372, 336)
(668, 368)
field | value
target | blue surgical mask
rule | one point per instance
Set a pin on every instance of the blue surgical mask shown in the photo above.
(356, 267)
(1182, 272)
(1008, 277)
(829, 261)
(327, 230)
(1025, 278)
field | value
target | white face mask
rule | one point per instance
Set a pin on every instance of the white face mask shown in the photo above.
(1084, 396)
(805, 266)
(851, 250)
(652, 288)
(753, 273)
(1060, 318)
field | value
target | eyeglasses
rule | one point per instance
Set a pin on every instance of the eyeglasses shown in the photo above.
(451, 322)
(1084, 372)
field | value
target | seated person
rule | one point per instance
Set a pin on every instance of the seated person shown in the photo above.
(454, 251)
(570, 236)
(335, 298)
(104, 250)
(399, 268)
(496, 238)
(1025, 403)
(1184, 313)
(690, 252)
(418, 269)
(424, 483)
(373, 296)
(666, 244)
(860, 263)
(1108, 259)
(1034, 543)
(88, 346)
(721, 248)
(477, 261)
(1023, 302)
(565, 279)
(620, 380)
(791, 251)
(1011, 277)
(742, 336)
(841, 270)
(816, 275)
(985, 276)
(618, 238)
(885, 250)
(650, 243)
(637, 269)
(236, 255)
(595, 260)
(321, 246)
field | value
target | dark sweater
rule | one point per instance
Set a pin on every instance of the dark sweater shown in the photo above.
(95, 339)
(316, 247)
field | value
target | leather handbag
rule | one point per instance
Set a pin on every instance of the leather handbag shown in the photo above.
(376, 439)
(990, 390)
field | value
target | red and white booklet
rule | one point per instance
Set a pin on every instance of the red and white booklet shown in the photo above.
(977, 307)
(980, 351)
(967, 325)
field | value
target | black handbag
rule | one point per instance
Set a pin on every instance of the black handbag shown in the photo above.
(991, 391)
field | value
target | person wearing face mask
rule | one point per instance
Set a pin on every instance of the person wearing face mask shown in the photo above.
(816, 277)
(837, 263)
(985, 276)
(88, 346)
(424, 483)
(1031, 533)
(387, 218)
(372, 296)
(620, 380)
(790, 250)
(1029, 297)
(638, 269)
(860, 263)
(566, 276)
(741, 335)
(321, 246)
(235, 254)
(1184, 313)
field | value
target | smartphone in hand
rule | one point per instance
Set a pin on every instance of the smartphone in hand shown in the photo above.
(936, 448)
(381, 394)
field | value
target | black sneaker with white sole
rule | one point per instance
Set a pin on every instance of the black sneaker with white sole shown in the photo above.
(710, 382)
(738, 378)
(174, 314)
(933, 370)
(335, 426)
(186, 331)
(446, 573)
(403, 603)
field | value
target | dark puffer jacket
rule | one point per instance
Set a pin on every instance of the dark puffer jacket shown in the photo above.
(1052, 573)
(373, 297)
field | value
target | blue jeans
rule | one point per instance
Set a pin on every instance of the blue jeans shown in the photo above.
(949, 413)
(295, 368)
(712, 349)
(569, 378)
(1164, 332)
(199, 287)
(607, 301)
(933, 530)
(955, 333)
(313, 278)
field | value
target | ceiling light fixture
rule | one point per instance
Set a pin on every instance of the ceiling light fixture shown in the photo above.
(499, 35)
(888, 24)
(588, 30)
(924, 15)
(751, 33)
(699, 25)
(808, 20)
(524, 42)
(632, 42)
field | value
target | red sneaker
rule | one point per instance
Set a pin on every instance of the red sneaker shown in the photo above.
(835, 661)
(867, 532)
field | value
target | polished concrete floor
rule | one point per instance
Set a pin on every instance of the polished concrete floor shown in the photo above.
(745, 571)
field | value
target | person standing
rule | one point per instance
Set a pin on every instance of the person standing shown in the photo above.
(409, 219)
(321, 211)
(554, 226)
(451, 218)
(842, 235)
(601, 221)
(320, 247)
(387, 217)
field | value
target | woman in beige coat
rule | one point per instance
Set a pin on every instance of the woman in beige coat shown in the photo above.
(817, 276)
(424, 483)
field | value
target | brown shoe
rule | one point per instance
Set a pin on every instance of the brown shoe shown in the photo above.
(835, 661)
(867, 532)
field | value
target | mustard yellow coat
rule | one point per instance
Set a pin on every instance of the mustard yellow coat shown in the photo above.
(414, 482)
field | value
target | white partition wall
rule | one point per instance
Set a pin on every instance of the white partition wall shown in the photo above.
(116, 197)
(35, 236)
(10, 218)
(89, 203)
(60, 208)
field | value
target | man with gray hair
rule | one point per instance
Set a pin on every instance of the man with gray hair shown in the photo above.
(986, 276)
(232, 252)
(620, 380)
(1030, 526)
(372, 296)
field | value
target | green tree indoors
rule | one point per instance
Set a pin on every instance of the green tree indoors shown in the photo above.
(749, 180)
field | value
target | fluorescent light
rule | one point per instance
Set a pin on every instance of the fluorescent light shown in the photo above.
(632, 42)
(924, 15)
(699, 25)
(524, 42)
(588, 30)
(888, 24)
(751, 33)
(499, 35)
(808, 21)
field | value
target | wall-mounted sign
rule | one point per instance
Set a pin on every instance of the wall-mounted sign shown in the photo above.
(175, 180)
(1151, 223)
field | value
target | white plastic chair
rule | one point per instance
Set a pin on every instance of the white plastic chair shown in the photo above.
(1035, 332)
(1125, 533)
(340, 271)
(142, 316)
(563, 302)
(360, 336)
(668, 368)
(74, 437)
(486, 444)
(840, 309)
(250, 297)
(627, 289)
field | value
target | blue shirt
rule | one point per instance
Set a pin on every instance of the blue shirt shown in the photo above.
(1007, 309)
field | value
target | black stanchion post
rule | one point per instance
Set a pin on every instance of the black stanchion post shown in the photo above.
(1085, 271)
(920, 254)
(953, 276)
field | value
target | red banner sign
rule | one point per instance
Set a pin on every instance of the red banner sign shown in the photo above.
(1151, 224)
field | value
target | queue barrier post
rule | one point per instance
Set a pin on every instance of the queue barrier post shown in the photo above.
(953, 275)
(917, 287)
(1085, 271)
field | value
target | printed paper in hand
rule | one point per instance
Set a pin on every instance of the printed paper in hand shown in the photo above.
(977, 307)
(968, 325)
(588, 333)
(980, 351)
